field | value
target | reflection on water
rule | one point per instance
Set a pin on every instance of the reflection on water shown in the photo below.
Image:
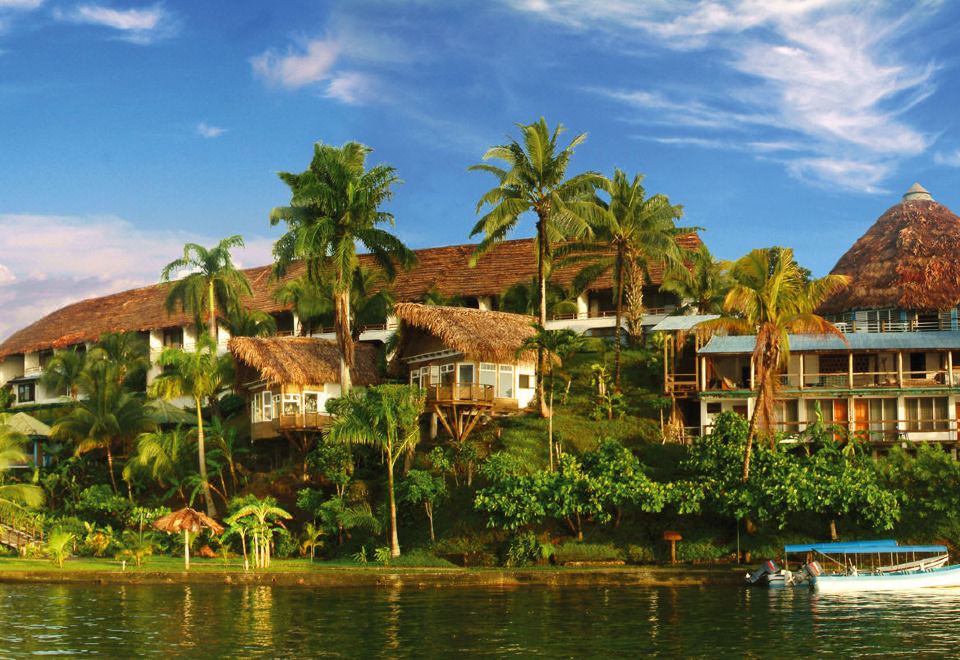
(266, 621)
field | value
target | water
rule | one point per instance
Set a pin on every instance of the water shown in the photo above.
(212, 621)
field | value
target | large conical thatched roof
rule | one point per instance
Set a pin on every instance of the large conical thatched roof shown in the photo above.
(303, 360)
(906, 260)
(482, 335)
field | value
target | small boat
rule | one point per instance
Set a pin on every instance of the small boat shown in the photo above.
(880, 565)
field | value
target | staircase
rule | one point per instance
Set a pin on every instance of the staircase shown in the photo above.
(18, 533)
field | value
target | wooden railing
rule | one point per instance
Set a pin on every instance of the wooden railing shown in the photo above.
(472, 392)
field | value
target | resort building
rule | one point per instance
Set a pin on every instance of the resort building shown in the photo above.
(471, 362)
(288, 380)
(895, 377)
(443, 272)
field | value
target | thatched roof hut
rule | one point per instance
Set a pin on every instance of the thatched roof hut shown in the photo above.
(481, 335)
(444, 269)
(303, 360)
(187, 520)
(906, 260)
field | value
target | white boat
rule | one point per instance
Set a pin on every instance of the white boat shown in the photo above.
(947, 576)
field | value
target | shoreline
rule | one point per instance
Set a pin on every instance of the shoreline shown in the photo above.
(390, 577)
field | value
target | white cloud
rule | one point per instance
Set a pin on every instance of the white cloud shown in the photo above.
(350, 87)
(140, 26)
(299, 66)
(205, 130)
(835, 76)
(949, 159)
(47, 262)
(839, 174)
(20, 4)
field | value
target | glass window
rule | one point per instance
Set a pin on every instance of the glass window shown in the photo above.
(267, 406)
(505, 387)
(311, 402)
(255, 408)
(488, 374)
(434, 374)
(446, 374)
(526, 382)
(291, 404)
(927, 414)
(466, 375)
(26, 392)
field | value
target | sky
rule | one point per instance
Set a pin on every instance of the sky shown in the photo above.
(128, 129)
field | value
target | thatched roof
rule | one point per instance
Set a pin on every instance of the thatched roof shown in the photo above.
(906, 260)
(24, 424)
(187, 520)
(482, 335)
(303, 360)
(444, 269)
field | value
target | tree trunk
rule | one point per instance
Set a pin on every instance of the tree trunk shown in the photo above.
(541, 306)
(634, 300)
(394, 539)
(429, 508)
(344, 338)
(618, 282)
(243, 546)
(748, 450)
(833, 530)
(212, 313)
(202, 452)
(113, 479)
(186, 550)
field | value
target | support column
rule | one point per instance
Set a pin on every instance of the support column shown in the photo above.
(850, 370)
(899, 369)
(752, 376)
(950, 367)
(800, 355)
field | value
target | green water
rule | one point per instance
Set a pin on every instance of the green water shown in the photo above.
(210, 621)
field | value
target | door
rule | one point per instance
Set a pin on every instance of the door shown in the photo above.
(861, 415)
(840, 416)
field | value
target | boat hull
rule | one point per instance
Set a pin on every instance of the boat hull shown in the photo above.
(948, 576)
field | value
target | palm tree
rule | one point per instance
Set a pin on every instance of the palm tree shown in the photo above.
(243, 322)
(635, 233)
(308, 302)
(703, 282)
(127, 350)
(12, 453)
(387, 417)
(107, 415)
(335, 205)
(772, 297)
(226, 441)
(558, 345)
(523, 298)
(212, 281)
(312, 539)
(534, 178)
(163, 455)
(266, 514)
(64, 371)
(199, 374)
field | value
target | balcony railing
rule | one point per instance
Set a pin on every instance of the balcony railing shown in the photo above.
(876, 431)
(609, 314)
(865, 379)
(467, 392)
(913, 325)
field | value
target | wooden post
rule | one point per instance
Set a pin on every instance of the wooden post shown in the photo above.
(801, 370)
(666, 357)
(672, 537)
(950, 368)
(751, 372)
(703, 374)
(900, 369)
(850, 370)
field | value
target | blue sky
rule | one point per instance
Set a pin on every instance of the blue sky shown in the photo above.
(130, 128)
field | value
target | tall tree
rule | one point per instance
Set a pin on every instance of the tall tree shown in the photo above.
(771, 298)
(129, 352)
(387, 417)
(64, 372)
(636, 233)
(200, 375)
(701, 284)
(308, 303)
(334, 206)
(534, 179)
(212, 281)
(107, 415)
(12, 453)
(243, 322)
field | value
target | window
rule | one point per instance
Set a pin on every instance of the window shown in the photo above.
(267, 400)
(434, 374)
(26, 392)
(256, 412)
(488, 374)
(927, 414)
(173, 338)
(466, 375)
(311, 402)
(505, 387)
(446, 374)
(526, 382)
(291, 404)
(714, 407)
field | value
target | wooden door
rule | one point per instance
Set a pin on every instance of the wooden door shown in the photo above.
(840, 416)
(861, 415)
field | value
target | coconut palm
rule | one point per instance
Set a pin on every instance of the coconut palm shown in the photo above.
(163, 455)
(308, 302)
(200, 374)
(108, 415)
(243, 322)
(523, 298)
(12, 453)
(128, 351)
(702, 283)
(387, 417)
(772, 297)
(334, 207)
(226, 443)
(64, 371)
(636, 233)
(534, 179)
(266, 516)
(212, 281)
(312, 539)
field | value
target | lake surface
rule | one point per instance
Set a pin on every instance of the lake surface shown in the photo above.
(212, 621)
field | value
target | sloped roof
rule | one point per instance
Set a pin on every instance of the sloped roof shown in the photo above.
(482, 335)
(906, 260)
(444, 269)
(857, 341)
(303, 360)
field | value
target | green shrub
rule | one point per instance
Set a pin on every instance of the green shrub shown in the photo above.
(641, 554)
(572, 551)
(420, 558)
(699, 551)
(525, 548)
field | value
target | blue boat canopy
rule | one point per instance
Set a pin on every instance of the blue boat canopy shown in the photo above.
(862, 547)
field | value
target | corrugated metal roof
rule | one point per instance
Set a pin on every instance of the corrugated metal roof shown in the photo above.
(872, 341)
(672, 323)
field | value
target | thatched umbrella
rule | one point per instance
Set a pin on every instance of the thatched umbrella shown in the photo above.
(187, 521)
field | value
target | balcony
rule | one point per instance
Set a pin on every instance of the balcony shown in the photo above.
(467, 393)
(939, 378)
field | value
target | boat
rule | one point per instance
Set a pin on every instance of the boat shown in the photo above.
(877, 565)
